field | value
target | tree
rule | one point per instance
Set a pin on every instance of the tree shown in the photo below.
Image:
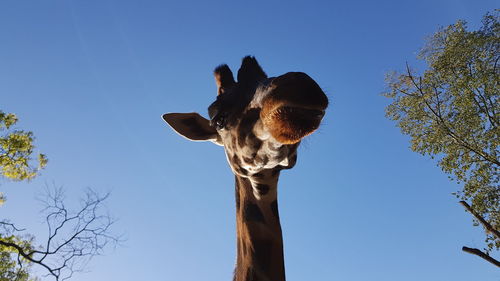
(74, 237)
(9, 269)
(451, 112)
(16, 150)
(16, 163)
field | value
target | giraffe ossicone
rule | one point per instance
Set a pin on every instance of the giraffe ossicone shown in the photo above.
(260, 122)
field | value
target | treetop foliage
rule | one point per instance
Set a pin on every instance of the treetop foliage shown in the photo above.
(16, 149)
(452, 111)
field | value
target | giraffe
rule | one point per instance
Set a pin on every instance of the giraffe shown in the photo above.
(260, 122)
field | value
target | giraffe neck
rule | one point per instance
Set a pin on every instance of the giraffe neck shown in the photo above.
(259, 238)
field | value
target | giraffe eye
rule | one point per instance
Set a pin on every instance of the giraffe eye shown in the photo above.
(220, 120)
(218, 117)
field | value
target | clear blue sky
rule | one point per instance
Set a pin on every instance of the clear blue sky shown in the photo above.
(92, 78)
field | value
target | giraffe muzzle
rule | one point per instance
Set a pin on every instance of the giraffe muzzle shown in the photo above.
(289, 125)
(294, 107)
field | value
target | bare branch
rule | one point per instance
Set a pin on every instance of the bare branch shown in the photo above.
(73, 237)
(10, 227)
(479, 253)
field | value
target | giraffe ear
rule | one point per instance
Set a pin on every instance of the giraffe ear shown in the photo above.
(192, 126)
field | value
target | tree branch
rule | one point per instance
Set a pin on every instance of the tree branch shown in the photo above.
(21, 252)
(73, 238)
(6, 224)
(479, 253)
(450, 132)
(485, 224)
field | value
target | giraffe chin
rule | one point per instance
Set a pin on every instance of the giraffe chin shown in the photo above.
(289, 125)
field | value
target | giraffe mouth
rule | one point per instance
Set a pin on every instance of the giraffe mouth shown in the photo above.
(299, 114)
(289, 124)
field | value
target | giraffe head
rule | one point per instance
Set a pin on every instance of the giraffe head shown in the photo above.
(259, 120)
